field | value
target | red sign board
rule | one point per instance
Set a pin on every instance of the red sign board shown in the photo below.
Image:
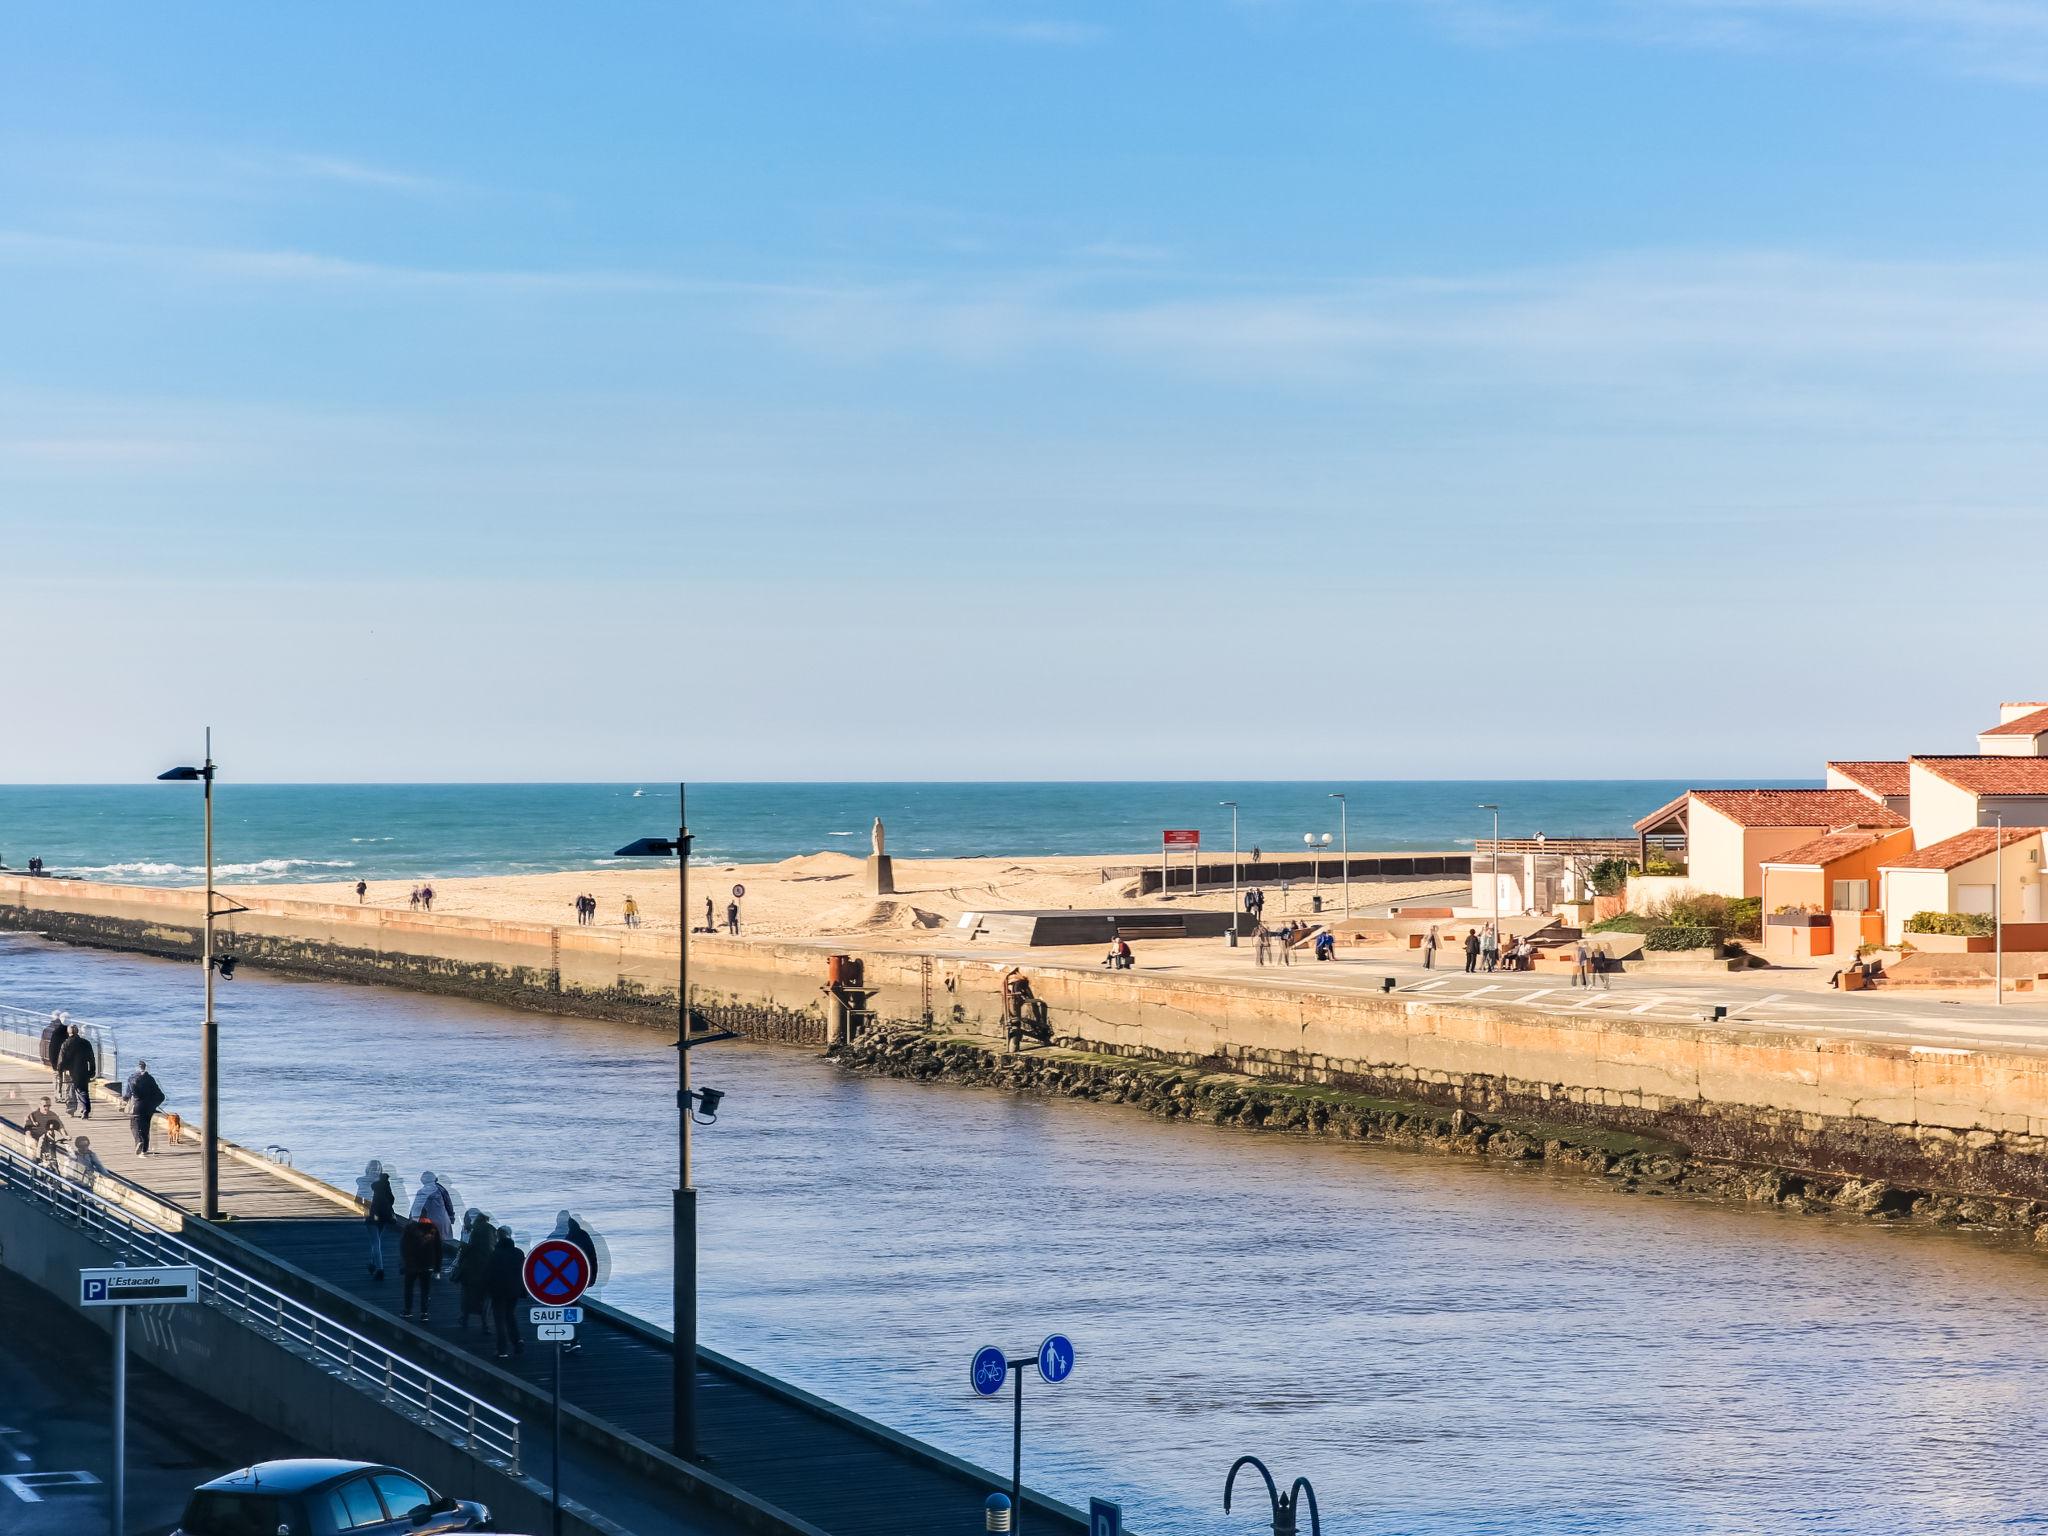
(1187, 838)
(557, 1272)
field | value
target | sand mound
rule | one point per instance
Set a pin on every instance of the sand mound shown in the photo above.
(817, 864)
(900, 914)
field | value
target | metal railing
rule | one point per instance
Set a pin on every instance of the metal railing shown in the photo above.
(486, 1431)
(21, 1034)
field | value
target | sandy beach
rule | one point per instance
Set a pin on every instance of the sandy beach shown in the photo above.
(823, 895)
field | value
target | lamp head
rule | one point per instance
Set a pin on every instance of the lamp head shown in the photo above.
(181, 775)
(647, 848)
(708, 1100)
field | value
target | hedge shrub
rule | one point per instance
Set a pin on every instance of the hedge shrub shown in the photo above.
(1682, 937)
(1976, 925)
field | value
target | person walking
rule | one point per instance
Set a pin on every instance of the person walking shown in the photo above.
(473, 1270)
(381, 1217)
(1429, 949)
(632, 911)
(732, 918)
(1489, 950)
(1471, 950)
(1262, 944)
(419, 1260)
(54, 1036)
(505, 1282)
(1284, 943)
(1582, 965)
(1600, 963)
(77, 1064)
(415, 898)
(362, 890)
(434, 1204)
(41, 1129)
(427, 897)
(85, 1165)
(710, 922)
(143, 1098)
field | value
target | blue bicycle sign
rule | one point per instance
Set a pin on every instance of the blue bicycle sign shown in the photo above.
(990, 1370)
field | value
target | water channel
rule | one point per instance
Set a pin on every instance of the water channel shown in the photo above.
(1443, 1346)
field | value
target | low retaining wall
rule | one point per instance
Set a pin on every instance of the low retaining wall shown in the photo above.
(1966, 1121)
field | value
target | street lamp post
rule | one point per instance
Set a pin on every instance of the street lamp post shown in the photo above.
(1233, 870)
(1344, 827)
(684, 1220)
(1496, 869)
(209, 1053)
(1998, 908)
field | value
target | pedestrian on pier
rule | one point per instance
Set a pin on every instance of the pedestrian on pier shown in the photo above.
(382, 1215)
(42, 1128)
(362, 890)
(473, 1268)
(1285, 942)
(632, 911)
(86, 1166)
(506, 1284)
(1429, 949)
(415, 898)
(77, 1065)
(434, 1204)
(53, 1045)
(1471, 950)
(1262, 944)
(1582, 965)
(427, 897)
(732, 918)
(419, 1260)
(710, 922)
(143, 1098)
(1489, 949)
(1601, 963)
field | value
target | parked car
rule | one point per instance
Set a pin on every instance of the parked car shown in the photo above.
(320, 1497)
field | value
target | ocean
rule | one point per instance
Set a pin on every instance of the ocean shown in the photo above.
(149, 833)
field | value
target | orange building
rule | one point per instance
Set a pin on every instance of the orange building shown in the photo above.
(1821, 898)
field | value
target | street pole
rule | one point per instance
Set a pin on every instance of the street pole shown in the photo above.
(118, 1491)
(1496, 869)
(685, 1299)
(1017, 1450)
(209, 1041)
(1233, 872)
(1998, 908)
(555, 1451)
(1344, 830)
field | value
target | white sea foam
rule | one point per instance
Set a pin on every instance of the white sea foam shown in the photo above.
(261, 869)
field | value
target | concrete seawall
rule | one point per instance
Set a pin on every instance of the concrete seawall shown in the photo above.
(1970, 1122)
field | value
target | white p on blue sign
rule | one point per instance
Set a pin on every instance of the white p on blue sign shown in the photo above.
(1105, 1518)
(124, 1287)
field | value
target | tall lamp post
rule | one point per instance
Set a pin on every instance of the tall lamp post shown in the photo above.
(1344, 829)
(1998, 908)
(1496, 869)
(684, 1221)
(209, 1053)
(1233, 870)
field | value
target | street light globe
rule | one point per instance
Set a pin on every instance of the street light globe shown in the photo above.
(1308, 839)
(1326, 839)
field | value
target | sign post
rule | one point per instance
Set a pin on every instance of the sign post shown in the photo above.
(557, 1273)
(122, 1288)
(1189, 838)
(1055, 1362)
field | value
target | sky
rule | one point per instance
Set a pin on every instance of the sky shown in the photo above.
(886, 389)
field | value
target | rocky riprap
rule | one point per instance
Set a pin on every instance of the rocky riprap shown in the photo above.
(1632, 1164)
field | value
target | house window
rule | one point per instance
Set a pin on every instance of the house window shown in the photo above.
(1852, 895)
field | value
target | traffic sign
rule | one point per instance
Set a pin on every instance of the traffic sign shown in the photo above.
(555, 1333)
(557, 1272)
(539, 1315)
(125, 1287)
(1181, 837)
(991, 1368)
(738, 891)
(1105, 1518)
(1056, 1358)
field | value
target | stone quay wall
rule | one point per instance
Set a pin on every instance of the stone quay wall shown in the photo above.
(1963, 1122)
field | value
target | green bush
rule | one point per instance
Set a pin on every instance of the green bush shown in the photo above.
(1623, 922)
(1976, 925)
(1682, 937)
(1610, 876)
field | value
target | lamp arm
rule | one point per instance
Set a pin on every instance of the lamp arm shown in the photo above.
(1272, 1488)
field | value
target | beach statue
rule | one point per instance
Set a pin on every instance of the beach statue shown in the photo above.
(881, 873)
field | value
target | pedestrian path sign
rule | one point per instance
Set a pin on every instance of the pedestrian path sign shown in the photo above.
(1056, 1358)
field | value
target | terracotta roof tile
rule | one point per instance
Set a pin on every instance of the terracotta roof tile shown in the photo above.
(1826, 849)
(1953, 852)
(1884, 778)
(2027, 725)
(1830, 808)
(1991, 775)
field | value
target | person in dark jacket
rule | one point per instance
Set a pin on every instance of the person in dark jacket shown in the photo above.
(53, 1042)
(381, 1217)
(1471, 950)
(419, 1260)
(77, 1065)
(473, 1269)
(143, 1098)
(506, 1283)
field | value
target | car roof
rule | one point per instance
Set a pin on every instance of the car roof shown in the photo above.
(302, 1474)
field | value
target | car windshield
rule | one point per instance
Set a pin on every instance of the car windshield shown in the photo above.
(220, 1512)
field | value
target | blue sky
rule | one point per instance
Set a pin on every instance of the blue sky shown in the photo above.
(1392, 388)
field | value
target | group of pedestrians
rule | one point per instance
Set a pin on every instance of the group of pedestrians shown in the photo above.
(586, 911)
(1275, 945)
(422, 898)
(484, 1259)
(74, 1067)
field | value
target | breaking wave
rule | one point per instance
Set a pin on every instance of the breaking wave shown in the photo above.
(261, 869)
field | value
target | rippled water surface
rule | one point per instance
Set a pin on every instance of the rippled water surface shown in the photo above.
(1442, 1346)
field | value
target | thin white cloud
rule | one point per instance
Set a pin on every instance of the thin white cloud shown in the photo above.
(1048, 31)
(347, 172)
